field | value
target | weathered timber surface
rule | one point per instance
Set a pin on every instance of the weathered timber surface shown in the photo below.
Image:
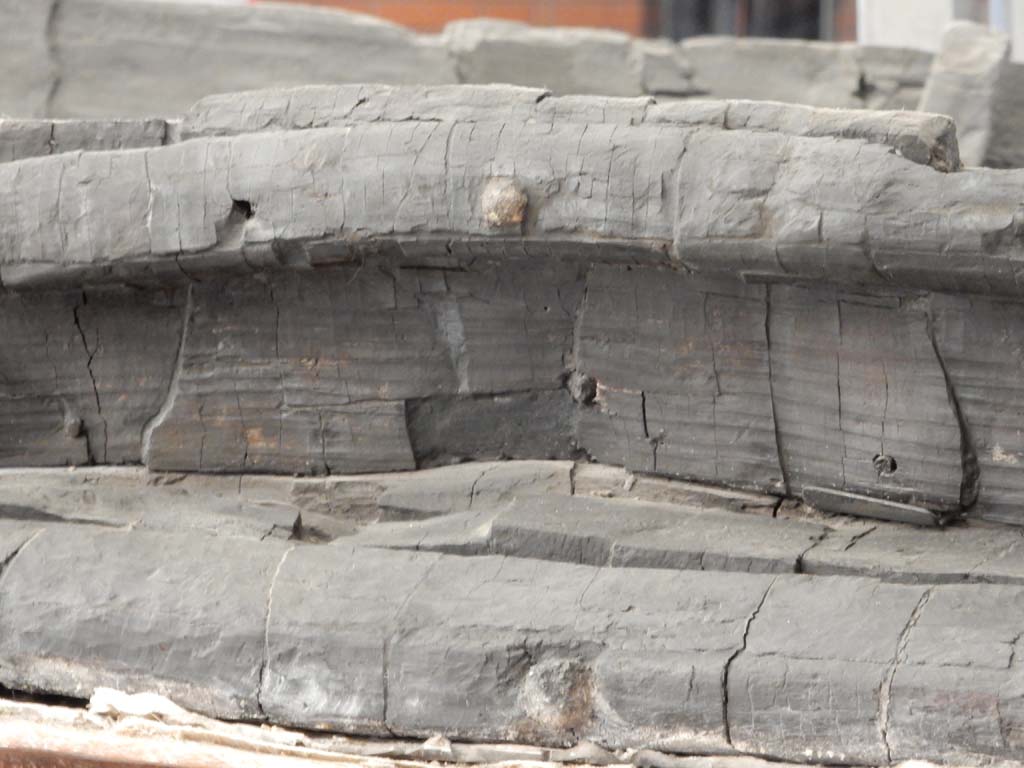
(122, 497)
(818, 659)
(978, 341)
(361, 369)
(976, 683)
(384, 367)
(679, 526)
(974, 81)
(409, 644)
(587, 181)
(566, 60)
(609, 482)
(323, 373)
(626, 534)
(548, 510)
(784, 208)
(363, 278)
(808, 72)
(871, 507)
(104, 58)
(182, 615)
(21, 139)
(924, 138)
(83, 372)
(503, 426)
(861, 399)
(906, 554)
(31, 71)
(681, 369)
(183, 52)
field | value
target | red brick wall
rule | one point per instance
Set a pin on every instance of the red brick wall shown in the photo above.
(431, 15)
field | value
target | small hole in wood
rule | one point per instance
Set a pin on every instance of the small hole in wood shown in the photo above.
(885, 465)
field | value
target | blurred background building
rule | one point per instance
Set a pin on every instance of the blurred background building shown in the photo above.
(669, 18)
(904, 23)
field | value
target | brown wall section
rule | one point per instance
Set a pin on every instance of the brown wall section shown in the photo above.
(636, 17)
(627, 15)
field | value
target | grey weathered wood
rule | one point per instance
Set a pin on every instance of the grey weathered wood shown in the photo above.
(835, 669)
(445, 430)
(968, 640)
(177, 614)
(973, 80)
(67, 58)
(681, 368)
(28, 62)
(861, 399)
(814, 664)
(307, 373)
(589, 183)
(978, 342)
(630, 534)
(238, 48)
(913, 554)
(22, 138)
(843, 503)
(83, 372)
